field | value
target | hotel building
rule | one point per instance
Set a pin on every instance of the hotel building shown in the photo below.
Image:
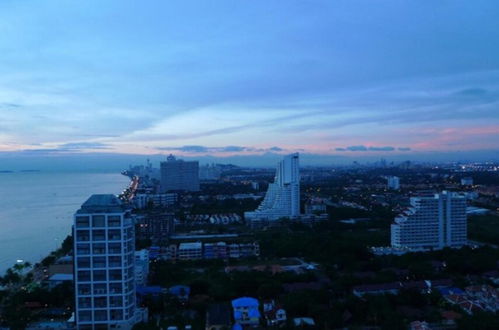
(104, 254)
(431, 223)
(282, 199)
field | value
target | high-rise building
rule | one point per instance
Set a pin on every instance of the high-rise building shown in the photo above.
(282, 199)
(177, 174)
(104, 260)
(393, 182)
(431, 223)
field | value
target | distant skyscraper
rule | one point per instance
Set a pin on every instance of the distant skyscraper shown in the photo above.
(432, 223)
(104, 262)
(282, 199)
(177, 174)
(393, 182)
(467, 181)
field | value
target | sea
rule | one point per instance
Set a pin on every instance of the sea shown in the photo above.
(36, 210)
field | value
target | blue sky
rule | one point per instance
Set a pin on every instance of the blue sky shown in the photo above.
(245, 78)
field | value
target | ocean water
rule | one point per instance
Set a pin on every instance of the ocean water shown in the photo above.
(36, 210)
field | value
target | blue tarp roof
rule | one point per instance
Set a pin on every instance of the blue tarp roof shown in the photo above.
(144, 290)
(448, 291)
(245, 302)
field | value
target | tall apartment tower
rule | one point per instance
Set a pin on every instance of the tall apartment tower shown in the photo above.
(177, 174)
(282, 199)
(393, 182)
(104, 264)
(432, 223)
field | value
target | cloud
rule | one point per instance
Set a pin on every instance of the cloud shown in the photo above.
(84, 145)
(387, 148)
(472, 92)
(357, 148)
(371, 148)
(227, 149)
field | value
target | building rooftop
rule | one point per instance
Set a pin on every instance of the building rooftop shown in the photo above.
(189, 246)
(103, 203)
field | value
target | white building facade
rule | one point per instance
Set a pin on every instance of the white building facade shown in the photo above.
(282, 199)
(431, 223)
(104, 247)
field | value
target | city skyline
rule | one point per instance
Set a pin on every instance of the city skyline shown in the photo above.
(320, 78)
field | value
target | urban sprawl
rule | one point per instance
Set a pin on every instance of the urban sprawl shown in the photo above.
(368, 246)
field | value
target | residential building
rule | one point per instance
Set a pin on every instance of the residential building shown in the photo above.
(431, 223)
(190, 251)
(155, 225)
(246, 311)
(210, 172)
(393, 182)
(179, 175)
(282, 199)
(141, 201)
(104, 249)
(141, 267)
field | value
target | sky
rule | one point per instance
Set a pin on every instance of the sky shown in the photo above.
(334, 80)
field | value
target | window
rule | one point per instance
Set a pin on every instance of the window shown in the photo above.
(82, 222)
(116, 314)
(100, 288)
(114, 234)
(82, 235)
(100, 302)
(85, 316)
(116, 301)
(99, 262)
(114, 261)
(82, 248)
(115, 288)
(115, 275)
(98, 235)
(115, 248)
(99, 248)
(100, 315)
(114, 221)
(83, 262)
(85, 302)
(83, 289)
(98, 221)
(99, 275)
(83, 275)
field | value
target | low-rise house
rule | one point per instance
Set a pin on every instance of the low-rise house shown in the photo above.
(218, 317)
(303, 321)
(182, 292)
(190, 251)
(58, 279)
(274, 314)
(246, 311)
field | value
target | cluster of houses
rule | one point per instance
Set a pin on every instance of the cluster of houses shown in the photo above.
(473, 298)
(246, 312)
(395, 287)
(199, 250)
(214, 219)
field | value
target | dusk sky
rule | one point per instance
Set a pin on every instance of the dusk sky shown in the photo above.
(230, 78)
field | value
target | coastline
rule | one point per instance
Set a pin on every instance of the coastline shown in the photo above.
(36, 221)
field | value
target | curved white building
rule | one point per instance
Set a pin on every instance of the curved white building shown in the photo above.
(282, 199)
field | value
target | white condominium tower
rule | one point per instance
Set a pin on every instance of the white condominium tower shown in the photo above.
(104, 256)
(432, 223)
(283, 196)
